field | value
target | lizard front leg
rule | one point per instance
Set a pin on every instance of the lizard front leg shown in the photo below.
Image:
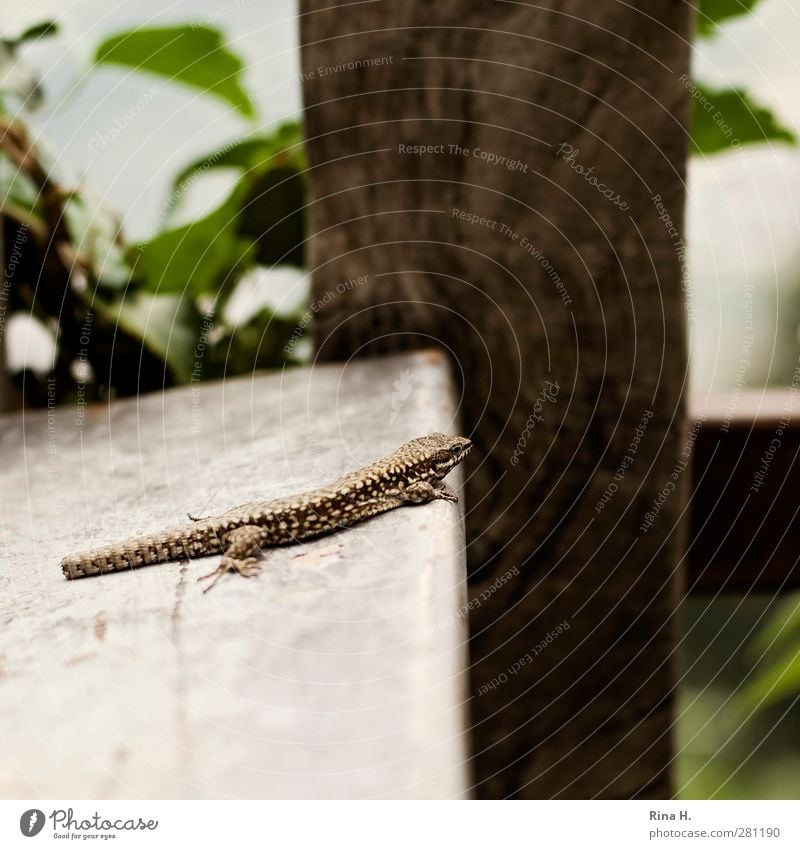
(242, 550)
(421, 492)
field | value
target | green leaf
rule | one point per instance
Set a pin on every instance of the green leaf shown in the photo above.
(710, 13)
(778, 640)
(42, 30)
(192, 55)
(781, 628)
(274, 217)
(196, 258)
(779, 680)
(727, 119)
(281, 148)
(271, 191)
(241, 154)
(168, 325)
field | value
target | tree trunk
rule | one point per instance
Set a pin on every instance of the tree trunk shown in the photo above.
(507, 181)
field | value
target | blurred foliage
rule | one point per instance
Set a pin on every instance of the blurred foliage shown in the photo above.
(194, 56)
(776, 657)
(148, 304)
(733, 120)
(723, 120)
(192, 258)
(711, 13)
(729, 748)
(728, 118)
(18, 80)
(128, 318)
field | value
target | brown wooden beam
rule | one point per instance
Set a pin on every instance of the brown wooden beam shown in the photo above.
(746, 498)
(507, 180)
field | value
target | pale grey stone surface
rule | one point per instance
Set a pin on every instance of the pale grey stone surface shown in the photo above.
(336, 673)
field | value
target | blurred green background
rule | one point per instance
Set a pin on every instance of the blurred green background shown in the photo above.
(733, 742)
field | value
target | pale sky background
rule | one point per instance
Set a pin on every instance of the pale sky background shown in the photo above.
(743, 223)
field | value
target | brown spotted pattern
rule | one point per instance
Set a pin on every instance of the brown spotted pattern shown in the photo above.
(411, 474)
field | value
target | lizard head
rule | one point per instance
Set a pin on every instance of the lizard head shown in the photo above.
(435, 455)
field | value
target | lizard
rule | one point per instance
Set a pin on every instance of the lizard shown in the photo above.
(413, 474)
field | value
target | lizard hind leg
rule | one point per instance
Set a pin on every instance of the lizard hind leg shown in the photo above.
(242, 550)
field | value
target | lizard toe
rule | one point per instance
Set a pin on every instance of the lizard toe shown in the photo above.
(249, 567)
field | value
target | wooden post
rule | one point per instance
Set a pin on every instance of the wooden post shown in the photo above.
(745, 523)
(507, 180)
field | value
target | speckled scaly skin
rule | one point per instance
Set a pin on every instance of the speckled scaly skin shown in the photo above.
(410, 475)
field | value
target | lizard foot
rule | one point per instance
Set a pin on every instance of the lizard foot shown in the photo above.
(241, 555)
(444, 493)
(421, 492)
(248, 568)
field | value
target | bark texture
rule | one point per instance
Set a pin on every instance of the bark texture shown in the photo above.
(536, 235)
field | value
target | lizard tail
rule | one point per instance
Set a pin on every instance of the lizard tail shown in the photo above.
(131, 554)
